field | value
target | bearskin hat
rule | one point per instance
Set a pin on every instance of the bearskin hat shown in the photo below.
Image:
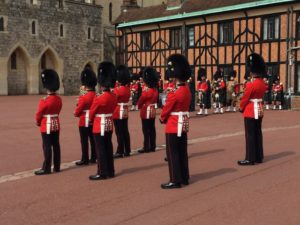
(50, 80)
(217, 75)
(178, 67)
(233, 74)
(276, 79)
(201, 73)
(107, 74)
(256, 64)
(88, 78)
(123, 75)
(150, 77)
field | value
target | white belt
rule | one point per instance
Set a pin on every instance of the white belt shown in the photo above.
(102, 122)
(180, 121)
(48, 121)
(256, 107)
(149, 109)
(122, 109)
(86, 117)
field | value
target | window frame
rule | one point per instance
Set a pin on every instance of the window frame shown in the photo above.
(266, 36)
(146, 43)
(174, 42)
(226, 67)
(13, 61)
(188, 29)
(230, 35)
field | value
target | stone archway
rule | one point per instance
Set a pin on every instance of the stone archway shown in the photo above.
(17, 72)
(50, 60)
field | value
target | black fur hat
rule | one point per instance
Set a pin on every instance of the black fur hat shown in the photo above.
(256, 64)
(107, 74)
(50, 80)
(123, 75)
(88, 78)
(217, 75)
(233, 74)
(178, 67)
(150, 77)
(201, 73)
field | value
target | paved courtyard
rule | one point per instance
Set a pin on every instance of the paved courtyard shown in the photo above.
(220, 193)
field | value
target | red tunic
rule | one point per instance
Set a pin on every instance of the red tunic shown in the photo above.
(134, 87)
(84, 103)
(123, 96)
(254, 90)
(177, 101)
(50, 105)
(103, 104)
(202, 86)
(277, 88)
(147, 102)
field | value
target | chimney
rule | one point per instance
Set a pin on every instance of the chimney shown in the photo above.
(174, 3)
(129, 4)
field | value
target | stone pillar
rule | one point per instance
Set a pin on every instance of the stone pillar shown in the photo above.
(3, 76)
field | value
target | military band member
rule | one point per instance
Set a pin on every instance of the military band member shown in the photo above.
(120, 115)
(252, 107)
(176, 117)
(232, 92)
(146, 104)
(219, 92)
(88, 81)
(101, 113)
(277, 91)
(203, 92)
(191, 84)
(135, 92)
(48, 121)
(267, 96)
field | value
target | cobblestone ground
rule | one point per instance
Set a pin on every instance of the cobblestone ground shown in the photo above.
(220, 192)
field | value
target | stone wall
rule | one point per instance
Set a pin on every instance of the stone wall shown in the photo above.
(71, 52)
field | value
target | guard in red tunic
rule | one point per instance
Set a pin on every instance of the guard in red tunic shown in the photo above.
(120, 115)
(146, 104)
(88, 81)
(48, 121)
(252, 107)
(277, 91)
(175, 115)
(203, 92)
(101, 114)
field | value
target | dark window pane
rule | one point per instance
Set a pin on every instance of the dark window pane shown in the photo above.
(146, 40)
(175, 38)
(110, 12)
(191, 37)
(89, 33)
(33, 27)
(61, 30)
(226, 33)
(1, 24)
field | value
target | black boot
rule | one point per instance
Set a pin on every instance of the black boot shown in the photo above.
(170, 185)
(245, 163)
(41, 172)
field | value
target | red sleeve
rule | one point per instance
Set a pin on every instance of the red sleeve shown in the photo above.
(198, 86)
(167, 109)
(142, 99)
(222, 85)
(40, 112)
(205, 87)
(246, 97)
(93, 109)
(80, 106)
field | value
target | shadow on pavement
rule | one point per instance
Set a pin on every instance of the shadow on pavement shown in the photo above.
(208, 175)
(142, 168)
(202, 153)
(278, 155)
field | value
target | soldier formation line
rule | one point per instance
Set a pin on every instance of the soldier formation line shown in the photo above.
(99, 113)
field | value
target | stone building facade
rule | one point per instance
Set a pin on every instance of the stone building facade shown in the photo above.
(65, 35)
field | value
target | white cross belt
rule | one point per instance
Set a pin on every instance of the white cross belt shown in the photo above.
(102, 122)
(256, 107)
(180, 121)
(122, 104)
(86, 117)
(48, 121)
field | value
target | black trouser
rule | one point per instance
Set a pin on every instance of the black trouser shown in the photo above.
(86, 134)
(149, 132)
(123, 136)
(254, 139)
(51, 143)
(177, 157)
(104, 150)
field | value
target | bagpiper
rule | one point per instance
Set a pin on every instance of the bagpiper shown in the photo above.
(267, 96)
(277, 92)
(47, 118)
(203, 92)
(251, 106)
(134, 88)
(175, 115)
(146, 104)
(219, 92)
(101, 113)
(88, 82)
(232, 89)
(120, 115)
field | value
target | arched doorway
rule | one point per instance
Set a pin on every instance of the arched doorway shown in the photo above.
(48, 60)
(17, 70)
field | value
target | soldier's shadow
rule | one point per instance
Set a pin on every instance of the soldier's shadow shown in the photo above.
(278, 155)
(202, 153)
(208, 175)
